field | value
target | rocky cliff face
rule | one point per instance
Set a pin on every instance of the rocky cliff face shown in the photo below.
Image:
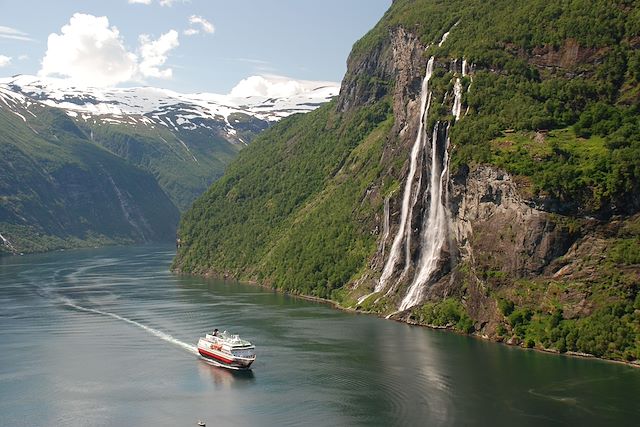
(491, 221)
(498, 234)
(395, 67)
(499, 240)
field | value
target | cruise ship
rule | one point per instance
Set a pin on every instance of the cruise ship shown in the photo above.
(227, 350)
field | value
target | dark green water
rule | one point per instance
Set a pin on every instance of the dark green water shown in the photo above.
(105, 337)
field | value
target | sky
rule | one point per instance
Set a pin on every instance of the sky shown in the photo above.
(184, 45)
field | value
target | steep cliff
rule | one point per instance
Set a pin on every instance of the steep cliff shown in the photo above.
(478, 171)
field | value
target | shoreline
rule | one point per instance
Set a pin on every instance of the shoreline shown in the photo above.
(336, 305)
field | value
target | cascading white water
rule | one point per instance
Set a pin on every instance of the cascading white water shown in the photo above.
(446, 35)
(465, 72)
(6, 242)
(425, 99)
(385, 236)
(434, 229)
(457, 100)
(434, 234)
(408, 231)
(385, 224)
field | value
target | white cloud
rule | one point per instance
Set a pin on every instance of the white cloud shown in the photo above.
(154, 54)
(13, 34)
(23, 57)
(273, 86)
(169, 2)
(140, 1)
(4, 60)
(199, 21)
(89, 52)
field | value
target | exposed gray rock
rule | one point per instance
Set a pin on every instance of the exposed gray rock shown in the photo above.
(490, 217)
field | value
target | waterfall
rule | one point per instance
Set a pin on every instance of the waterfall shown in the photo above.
(385, 236)
(446, 35)
(385, 224)
(434, 226)
(425, 99)
(457, 101)
(434, 229)
(434, 236)
(465, 72)
(7, 243)
(408, 230)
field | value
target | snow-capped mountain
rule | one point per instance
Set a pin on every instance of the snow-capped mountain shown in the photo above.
(80, 165)
(226, 115)
(184, 140)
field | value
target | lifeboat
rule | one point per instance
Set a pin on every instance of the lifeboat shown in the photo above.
(227, 350)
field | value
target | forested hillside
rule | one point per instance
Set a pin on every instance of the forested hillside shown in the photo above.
(541, 172)
(60, 191)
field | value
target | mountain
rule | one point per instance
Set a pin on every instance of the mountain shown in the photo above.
(231, 115)
(479, 171)
(86, 166)
(186, 141)
(59, 191)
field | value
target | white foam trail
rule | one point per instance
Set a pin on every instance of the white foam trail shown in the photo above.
(406, 199)
(162, 335)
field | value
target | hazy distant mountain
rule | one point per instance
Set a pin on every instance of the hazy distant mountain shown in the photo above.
(178, 142)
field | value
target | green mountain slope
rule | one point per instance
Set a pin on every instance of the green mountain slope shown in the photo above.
(543, 190)
(58, 190)
(185, 164)
(276, 197)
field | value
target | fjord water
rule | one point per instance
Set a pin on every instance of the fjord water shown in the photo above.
(105, 337)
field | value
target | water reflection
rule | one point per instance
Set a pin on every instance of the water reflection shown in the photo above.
(315, 365)
(224, 378)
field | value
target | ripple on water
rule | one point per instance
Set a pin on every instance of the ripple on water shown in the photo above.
(315, 366)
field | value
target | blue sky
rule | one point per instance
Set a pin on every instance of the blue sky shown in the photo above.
(184, 45)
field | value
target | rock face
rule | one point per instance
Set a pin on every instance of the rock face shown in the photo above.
(490, 220)
(494, 233)
(497, 236)
(397, 63)
(566, 57)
